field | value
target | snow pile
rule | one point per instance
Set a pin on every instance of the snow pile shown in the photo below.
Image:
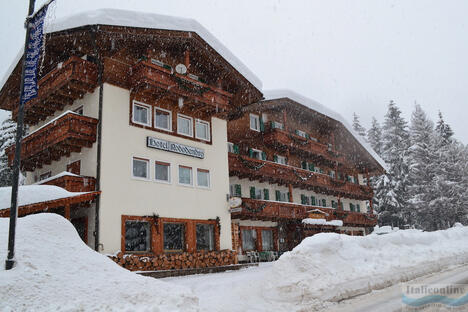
(379, 230)
(333, 266)
(322, 222)
(31, 194)
(56, 271)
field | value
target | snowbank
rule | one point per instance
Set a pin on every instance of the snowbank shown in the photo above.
(322, 222)
(56, 271)
(333, 266)
(31, 194)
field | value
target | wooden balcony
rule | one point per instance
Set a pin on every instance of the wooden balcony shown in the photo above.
(73, 183)
(254, 169)
(67, 133)
(254, 209)
(300, 145)
(150, 78)
(60, 87)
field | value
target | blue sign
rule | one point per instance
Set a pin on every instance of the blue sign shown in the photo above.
(32, 55)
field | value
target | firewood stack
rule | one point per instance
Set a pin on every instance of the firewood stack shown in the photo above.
(176, 261)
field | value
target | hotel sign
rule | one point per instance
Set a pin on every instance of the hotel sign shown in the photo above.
(175, 147)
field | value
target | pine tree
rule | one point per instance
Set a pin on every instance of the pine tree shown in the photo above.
(7, 138)
(374, 136)
(443, 129)
(391, 191)
(358, 127)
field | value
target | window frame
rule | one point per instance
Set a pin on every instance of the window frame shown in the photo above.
(230, 148)
(148, 174)
(254, 150)
(207, 123)
(157, 162)
(191, 176)
(209, 178)
(150, 244)
(278, 157)
(191, 125)
(184, 237)
(213, 226)
(170, 118)
(257, 117)
(300, 132)
(149, 111)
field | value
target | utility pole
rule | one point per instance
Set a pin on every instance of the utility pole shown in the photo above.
(17, 161)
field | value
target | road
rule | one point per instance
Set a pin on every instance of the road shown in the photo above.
(389, 299)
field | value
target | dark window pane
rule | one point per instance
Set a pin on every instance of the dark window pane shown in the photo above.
(267, 240)
(137, 236)
(174, 236)
(205, 236)
(248, 239)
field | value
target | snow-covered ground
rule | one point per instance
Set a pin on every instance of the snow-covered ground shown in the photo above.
(56, 271)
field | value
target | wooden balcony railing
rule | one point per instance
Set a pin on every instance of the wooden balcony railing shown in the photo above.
(60, 87)
(246, 167)
(146, 75)
(254, 209)
(60, 137)
(297, 144)
(74, 183)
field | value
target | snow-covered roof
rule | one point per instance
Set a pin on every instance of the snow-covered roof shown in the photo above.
(61, 174)
(115, 17)
(316, 106)
(322, 222)
(32, 194)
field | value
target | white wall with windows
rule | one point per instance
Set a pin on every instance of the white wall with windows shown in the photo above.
(122, 194)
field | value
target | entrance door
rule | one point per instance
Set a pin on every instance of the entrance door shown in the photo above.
(81, 226)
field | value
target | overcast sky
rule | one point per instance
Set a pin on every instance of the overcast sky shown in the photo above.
(352, 56)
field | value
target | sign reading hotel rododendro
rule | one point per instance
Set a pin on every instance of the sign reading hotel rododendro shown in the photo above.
(175, 147)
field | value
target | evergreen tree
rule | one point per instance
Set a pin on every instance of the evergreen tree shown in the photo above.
(391, 189)
(374, 136)
(444, 130)
(358, 128)
(7, 138)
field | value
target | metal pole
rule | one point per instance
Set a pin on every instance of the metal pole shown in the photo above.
(9, 263)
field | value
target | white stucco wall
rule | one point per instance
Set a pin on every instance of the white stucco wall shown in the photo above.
(124, 195)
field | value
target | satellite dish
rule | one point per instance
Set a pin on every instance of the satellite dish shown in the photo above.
(235, 202)
(181, 69)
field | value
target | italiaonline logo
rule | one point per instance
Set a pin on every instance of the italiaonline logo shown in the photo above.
(435, 297)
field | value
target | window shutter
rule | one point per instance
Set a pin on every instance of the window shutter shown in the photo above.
(297, 132)
(238, 190)
(266, 194)
(263, 156)
(289, 198)
(311, 167)
(358, 208)
(277, 195)
(236, 149)
(304, 165)
(275, 158)
(324, 202)
(303, 199)
(252, 192)
(351, 208)
(250, 153)
(307, 136)
(262, 124)
(272, 124)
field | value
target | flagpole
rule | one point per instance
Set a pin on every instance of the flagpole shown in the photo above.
(10, 261)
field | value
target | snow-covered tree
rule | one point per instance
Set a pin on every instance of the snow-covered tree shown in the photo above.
(7, 138)
(391, 189)
(374, 136)
(358, 127)
(443, 129)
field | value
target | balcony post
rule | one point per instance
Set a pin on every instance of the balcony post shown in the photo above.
(290, 193)
(339, 203)
(67, 212)
(371, 206)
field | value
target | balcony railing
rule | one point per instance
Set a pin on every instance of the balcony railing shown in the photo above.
(297, 144)
(60, 87)
(74, 183)
(60, 137)
(254, 209)
(146, 75)
(246, 167)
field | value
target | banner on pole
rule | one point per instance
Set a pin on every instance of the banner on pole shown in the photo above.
(32, 55)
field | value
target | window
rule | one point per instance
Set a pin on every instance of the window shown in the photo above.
(185, 175)
(141, 114)
(162, 119)
(313, 202)
(280, 159)
(230, 147)
(137, 236)
(282, 196)
(184, 125)
(162, 171)
(257, 154)
(254, 122)
(277, 125)
(235, 190)
(334, 204)
(46, 175)
(174, 236)
(259, 193)
(202, 130)
(331, 173)
(79, 110)
(301, 133)
(351, 207)
(140, 168)
(203, 178)
(249, 238)
(205, 237)
(267, 240)
(305, 200)
(324, 202)
(318, 169)
(358, 208)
